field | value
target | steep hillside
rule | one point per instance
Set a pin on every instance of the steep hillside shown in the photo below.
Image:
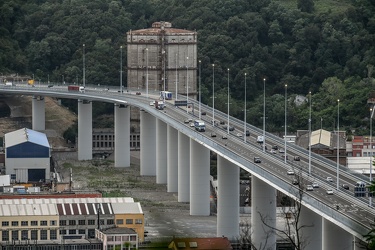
(58, 118)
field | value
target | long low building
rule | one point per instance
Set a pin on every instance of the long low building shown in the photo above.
(67, 218)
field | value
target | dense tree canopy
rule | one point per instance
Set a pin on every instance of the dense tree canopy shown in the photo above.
(323, 47)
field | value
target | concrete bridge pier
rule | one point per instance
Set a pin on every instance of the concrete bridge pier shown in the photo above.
(183, 171)
(84, 130)
(161, 152)
(228, 211)
(122, 135)
(38, 113)
(336, 238)
(263, 205)
(148, 144)
(311, 234)
(172, 161)
(199, 179)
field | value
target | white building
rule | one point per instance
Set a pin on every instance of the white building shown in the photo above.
(27, 156)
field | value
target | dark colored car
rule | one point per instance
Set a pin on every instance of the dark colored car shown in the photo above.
(231, 128)
(345, 186)
(296, 158)
(257, 160)
(203, 113)
(275, 147)
(247, 133)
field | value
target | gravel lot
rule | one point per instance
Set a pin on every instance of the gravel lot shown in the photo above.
(165, 217)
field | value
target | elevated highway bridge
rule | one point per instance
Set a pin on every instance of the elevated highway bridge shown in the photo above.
(179, 156)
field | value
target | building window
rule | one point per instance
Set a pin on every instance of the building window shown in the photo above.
(52, 223)
(91, 222)
(5, 235)
(43, 234)
(62, 222)
(110, 238)
(62, 231)
(34, 235)
(43, 223)
(133, 237)
(101, 222)
(34, 223)
(110, 222)
(24, 223)
(91, 233)
(72, 231)
(15, 235)
(72, 222)
(24, 234)
(5, 223)
(53, 234)
(119, 221)
(138, 221)
(14, 223)
(81, 231)
(81, 222)
(129, 221)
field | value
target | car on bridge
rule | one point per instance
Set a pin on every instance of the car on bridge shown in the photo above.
(329, 179)
(315, 185)
(329, 192)
(290, 172)
(309, 188)
(257, 160)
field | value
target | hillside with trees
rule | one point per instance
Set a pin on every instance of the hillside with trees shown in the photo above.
(326, 47)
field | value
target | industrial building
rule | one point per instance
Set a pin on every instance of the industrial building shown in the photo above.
(58, 220)
(162, 58)
(27, 156)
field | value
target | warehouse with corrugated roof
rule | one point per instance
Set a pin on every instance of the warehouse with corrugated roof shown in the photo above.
(27, 156)
(60, 219)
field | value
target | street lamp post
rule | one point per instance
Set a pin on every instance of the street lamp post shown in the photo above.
(199, 89)
(310, 135)
(121, 69)
(164, 76)
(147, 73)
(63, 82)
(176, 77)
(187, 85)
(213, 95)
(371, 156)
(264, 114)
(244, 119)
(228, 103)
(286, 88)
(84, 67)
(338, 143)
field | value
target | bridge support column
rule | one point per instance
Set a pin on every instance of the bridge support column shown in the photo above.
(148, 144)
(183, 162)
(311, 233)
(263, 203)
(122, 135)
(228, 176)
(199, 179)
(161, 152)
(84, 130)
(38, 113)
(335, 237)
(172, 161)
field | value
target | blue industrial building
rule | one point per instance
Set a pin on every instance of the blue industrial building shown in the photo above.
(27, 156)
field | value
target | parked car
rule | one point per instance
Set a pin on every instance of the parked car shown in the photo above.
(257, 160)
